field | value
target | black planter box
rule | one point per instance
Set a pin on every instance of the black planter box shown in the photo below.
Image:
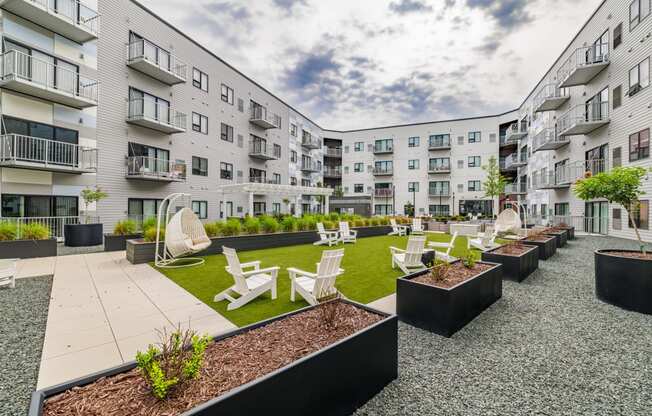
(142, 252)
(83, 235)
(547, 249)
(624, 282)
(570, 232)
(516, 268)
(28, 249)
(560, 236)
(113, 242)
(446, 311)
(335, 380)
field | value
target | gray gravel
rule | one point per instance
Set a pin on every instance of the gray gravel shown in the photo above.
(548, 347)
(23, 315)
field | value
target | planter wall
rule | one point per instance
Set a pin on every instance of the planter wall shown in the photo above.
(114, 242)
(547, 249)
(333, 381)
(624, 282)
(570, 233)
(28, 249)
(561, 237)
(516, 268)
(446, 311)
(83, 235)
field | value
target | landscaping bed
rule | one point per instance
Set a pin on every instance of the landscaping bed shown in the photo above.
(623, 278)
(518, 260)
(113, 242)
(560, 235)
(547, 245)
(28, 249)
(323, 360)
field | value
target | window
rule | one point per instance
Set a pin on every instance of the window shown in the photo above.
(241, 105)
(257, 175)
(227, 94)
(562, 209)
(413, 186)
(358, 167)
(618, 96)
(276, 208)
(199, 79)
(597, 107)
(200, 208)
(413, 164)
(384, 166)
(639, 145)
(276, 178)
(617, 158)
(439, 140)
(358, 147)
(474, 137)
(617, 221)
(226, 170)
(305, 182)
(544, 211)
(439, 210)
(199, 166)
(199, 123)
(439, 164)
(358, 188)
(148, 159)
(382, 209)
(596, 158)
(474, 186)
(639, 77)
(641, 214)
(437, 188)
(277, 150)
(41, 131)
(293, 130)
(293, 181)
(40, 206)
(474, 161)
(413, 142)
(618, 35)
(638, 10)
(226, 132)
(384, 145)
(139, 209)
(260, 208)
(293, 156)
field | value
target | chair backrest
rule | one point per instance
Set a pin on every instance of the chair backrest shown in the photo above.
(392, 222)
(234, 269)
(489, 236)
(321, 231)
(414, 250)
(327, 272)
(451, 244)
(344, 228)
(416, 223)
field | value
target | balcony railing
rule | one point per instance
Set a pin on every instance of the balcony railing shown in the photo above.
(259, 179)
(383, 193)
(564, 176)
(332, 172)
(383, 171)
(439, 192)
(515, 161)
(259, 149)
(158, 63)
(550, 98)
(39, 78)
(439, 144)
(153, 169)
(516, 188)
(583, 65)
(335, 152)
(310, 142)
(259, 116)
(383, 148)
(70, 18)
(42, 154)
(548, 139)
(583, 118)
(439, 168)
(515, 132)
(155, 115)
(309, 166)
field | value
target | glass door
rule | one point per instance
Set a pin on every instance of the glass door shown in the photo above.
(596, 217)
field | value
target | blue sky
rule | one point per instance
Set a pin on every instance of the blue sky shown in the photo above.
(361, 63)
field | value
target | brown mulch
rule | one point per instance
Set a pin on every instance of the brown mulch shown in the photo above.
(228, 363)
(630, 254)
(540, 238)
(453, 274)
(512, 249)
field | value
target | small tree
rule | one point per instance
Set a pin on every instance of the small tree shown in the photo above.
(494, 186)
(90, 196)
(620, 186)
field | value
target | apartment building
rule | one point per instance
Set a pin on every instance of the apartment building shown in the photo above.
(142, 110)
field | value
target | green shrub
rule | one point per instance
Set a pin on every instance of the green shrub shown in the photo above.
(358, 223)
(334, 216)
(213, 229)
(34, 231)
(150, 234)
(149, 223)
(125, 227)
(374, 221)
(329, 225)
(232, 226)
(289, 224)
(8, 231)
(302, 224)
(383, 221)
(252, 225)
(269, 224)
(311, 223)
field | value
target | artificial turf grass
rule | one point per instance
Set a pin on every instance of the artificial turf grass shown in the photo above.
(368, 274)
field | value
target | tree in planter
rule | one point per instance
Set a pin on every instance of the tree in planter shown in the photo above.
(620, 186)
(494, 186)
(90, 196)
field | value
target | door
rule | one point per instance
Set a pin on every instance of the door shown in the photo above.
(596, 217)
(229, 209)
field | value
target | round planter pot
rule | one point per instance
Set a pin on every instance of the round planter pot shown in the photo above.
(83, 235)
(623, 281)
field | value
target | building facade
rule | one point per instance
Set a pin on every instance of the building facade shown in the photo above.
(109, 94)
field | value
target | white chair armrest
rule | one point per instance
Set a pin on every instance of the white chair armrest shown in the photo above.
(354, 232)
(255, 264)
(395, 250)
(438, 245)
(294, 271)
(273, 270)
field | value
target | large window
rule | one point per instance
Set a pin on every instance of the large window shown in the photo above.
(199, 79)
(200, 208)
(384, 145)
(142, 104)
(145, 158)
(439, 140)
(383, 166)
(618, 35)
(413, 164)
(358, 188)
(226, 170)
(597, 107)
(226, 132)
(562, 209)
(293, 130)
(383, 209)
(475, 137)
(439, 210)
(227, 94)
(639, 145)
(440, 163)
(413, 186)
(199, 123)
(358, 167)
(474, 161)
(641, 213)
(639, 77)
(474, 186)
(139, 209)
(413, 141)
(439, 188)
(638, 10)
(39, 206)
(199, 166)
(32, 148)
(358, 146)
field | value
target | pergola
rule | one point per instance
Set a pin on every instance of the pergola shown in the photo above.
(254, 188)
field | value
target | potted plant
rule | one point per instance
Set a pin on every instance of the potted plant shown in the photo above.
(86, 233)
(518, 260)
(122, 231)
(302, 374)
(622, 277)
(446, 297)
(25, 241)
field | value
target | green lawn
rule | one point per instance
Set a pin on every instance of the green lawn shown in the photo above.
(368, 275)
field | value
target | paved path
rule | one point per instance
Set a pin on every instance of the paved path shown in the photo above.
(103, 309)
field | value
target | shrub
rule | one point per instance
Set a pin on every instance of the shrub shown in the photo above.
(269, 224)
(310, 223)
(213, 229)
(232, 227)
(329, 225)
(374, 221)
(383, 221)
(358, 223)
(333, 216)
(149, 223)
(125, 227)
(289, 224)
(179, 359)
(150, 234)
(302, 224)
(8, 231)
(34, 231)
(252, 225)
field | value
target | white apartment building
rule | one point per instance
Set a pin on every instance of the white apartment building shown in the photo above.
(107, 93)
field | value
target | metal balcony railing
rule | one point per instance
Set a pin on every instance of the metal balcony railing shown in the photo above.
(54, 224)
(550, 97)
(35, 152)
(516, 131)
(583, 118)
(434, 144)
(333, 152)
(439, 168)
(156, 113)
(151, 168)
(583, 64)
(72, 12)
(309, 166)
(160, 58)
(515, 160)
(384, 171)
(516, 188)
(259, 115)
(383, 192)
(332, 172)
(310, 142)
(442, 192)
(383, 148)
(548, 139)
(259, 149)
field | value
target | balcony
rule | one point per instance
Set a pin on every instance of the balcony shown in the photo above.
(257, 179)
(552, 180)
(516, 189)
(583, 119)
(26, 74)
(383, 193)
(384, 171)
(332, 172)
(439, 145)
(144, 56)
(515, 132)
(152, 169)
(383, 149)
(334, 152)
(550, 98)
(69, 18)
(504, 143)
(310, 142)
(514, 161)
(309, 166)
(153, 115)
(18, 151)
(439, 192)
(435, 169)
(547, 139)
(258, 149)
(259, 116)
(583, 65)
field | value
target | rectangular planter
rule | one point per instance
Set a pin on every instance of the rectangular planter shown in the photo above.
(547, 248)
(28, 249)
(114, 242)
(335, 380)
(516, 268)
(445, 311)
(560, 236)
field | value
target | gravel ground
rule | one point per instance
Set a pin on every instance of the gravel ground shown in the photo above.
(23, 315)
(548, 347)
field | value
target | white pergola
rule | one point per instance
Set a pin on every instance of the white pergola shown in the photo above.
(288, 191)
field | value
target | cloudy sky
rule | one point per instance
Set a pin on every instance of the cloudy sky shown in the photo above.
(360, 63)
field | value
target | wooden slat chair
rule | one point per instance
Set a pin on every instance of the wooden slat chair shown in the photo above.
(326, 237)
(409, 260)
(485, 242)
(417, 226)
(445, 255)
(397, 229)
(8, 272)
(347, 235)
(315, 286)
(248, 284)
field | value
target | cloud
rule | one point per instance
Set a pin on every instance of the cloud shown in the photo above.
(234, 11)
(289, 6)
(409, 6)
(509, 14)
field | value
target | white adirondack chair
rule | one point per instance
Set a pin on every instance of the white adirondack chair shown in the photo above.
(397, 229)
(8, 272)
(326, 237)
(409, 260)
(248, 284)
(314, 286)
(444, 255)
(347, 235)
(485, 242)
(417, 226)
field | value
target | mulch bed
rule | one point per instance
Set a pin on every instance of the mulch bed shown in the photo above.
(228, 363)
(540, 238)
(630, 254)
(453, 274)
(512, 249)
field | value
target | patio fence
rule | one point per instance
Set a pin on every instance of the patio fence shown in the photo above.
(54, 224)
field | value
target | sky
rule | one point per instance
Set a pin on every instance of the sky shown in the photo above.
(350, 64)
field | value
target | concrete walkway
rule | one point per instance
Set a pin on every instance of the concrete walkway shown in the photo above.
(386, 304)
(103, 309)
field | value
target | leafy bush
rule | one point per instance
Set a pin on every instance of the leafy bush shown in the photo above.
(252, 225)
(289, 224)
(333, 216)
(302, 224)
(34, 231)
(358, 223)
(374, 221)
(149, 223)
(269, 224)
(8, 231)
(125, 227)
(311, 222)
(329, 225)
(213, 229)
(150, 234)
(383, 221)
(179, 359)
(232, 227)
